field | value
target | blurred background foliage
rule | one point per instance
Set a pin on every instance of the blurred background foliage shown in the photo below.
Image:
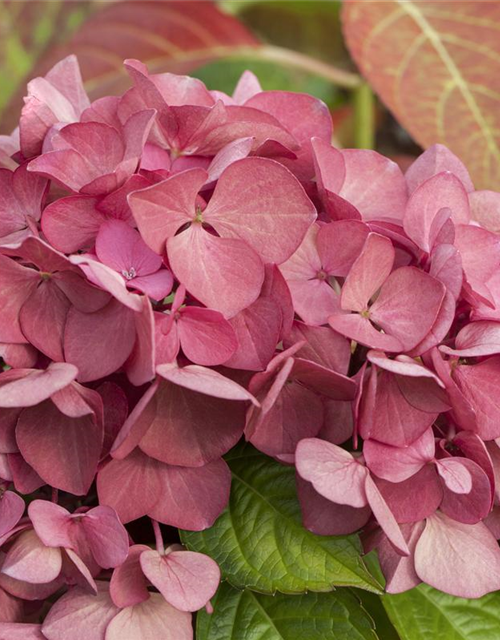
(290, 45)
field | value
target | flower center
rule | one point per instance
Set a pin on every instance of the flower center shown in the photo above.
(321, 275)
(198, 217)
(130, 274)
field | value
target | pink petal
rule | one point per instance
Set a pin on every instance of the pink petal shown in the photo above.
(455, 475)
(225, 274)
(408, 305)
(17, 284)
(443, 190)
(399, 571)
(131, 486)
(188, 428)
(140, 366)
(18, 356)
(314, 300)
(325, 518)
(338, 421)
(192, 498)
(446, 266)
(368, 273)
(402, 365)
(322, 380)
(446, 566)
(435, 160)
(205, 381)
(80, 613)
(476, 339)
(89, 333)
(62, 450)
(248, 85)
(160, 210)
(30, 560)
(339, 245)
(400, 496)
(128, 584)
(35, 386)
(107, 537)
(473, 448)
(72, 223)
(479, 250)
(51, 523)
(120, 247)
(358, 328)
(276, 288)
(333, 472)
(374, 185)
(323, 346)
(257, 332)
(153, 618)
(233, 151)
(470, 506)
(485, 209)
(206, 337)
(11, 510)
(479, 386)
(156, 285)
(187, 580)
(261, 202)
(21, 631)
(399, 463)
(385, 517)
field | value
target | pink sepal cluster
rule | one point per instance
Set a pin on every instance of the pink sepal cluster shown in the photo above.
(180, 269)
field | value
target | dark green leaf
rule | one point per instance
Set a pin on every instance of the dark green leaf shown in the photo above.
(260, 543)
(244, 615)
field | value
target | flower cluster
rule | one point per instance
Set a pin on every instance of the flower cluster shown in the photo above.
(180, 268)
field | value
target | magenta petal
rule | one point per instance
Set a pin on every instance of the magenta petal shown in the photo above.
(30, 560)
(446, 566)
(225, 274)
(11, 510)
(153, 618)
(399, 463)
(257, 332)
(63, 451)
(89, 333)
(259, 201)
(368, 273)
(204, 380)
(325, 518)
(80, 613)
(128, 584)
(187, 580)
(34, 386)
(107, 537)
(51, 522)
(333, 472)
(206, 337)
(385, 517)
(160, 210)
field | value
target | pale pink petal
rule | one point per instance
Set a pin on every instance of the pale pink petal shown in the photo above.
(476, 339)
(154, 618)
(485, 209)
(21, 631)
(437, 159)
(479, 250)
(225, 274)
(233, 151)
(30, 560)
(314, 300)
(399, 463)
(455, 475)
(34, 386)
(368, 273)
(82, 614)
(187, 580)
(446, 551)
(333, 472)
(51, 523)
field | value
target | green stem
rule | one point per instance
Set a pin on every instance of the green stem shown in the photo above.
(364, 117)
